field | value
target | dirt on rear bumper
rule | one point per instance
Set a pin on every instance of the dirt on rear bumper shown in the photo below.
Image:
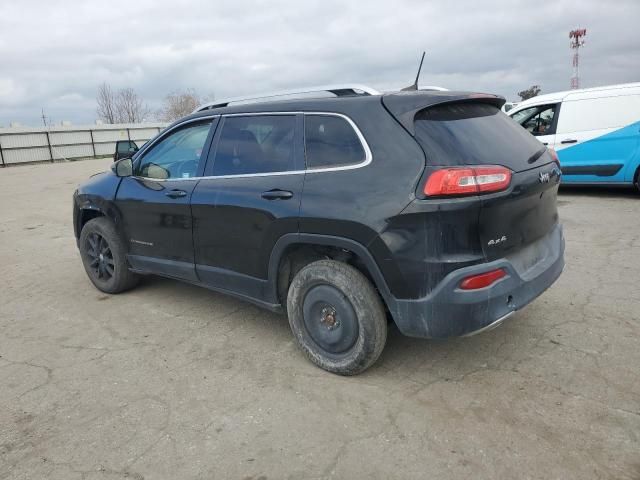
(449, 311)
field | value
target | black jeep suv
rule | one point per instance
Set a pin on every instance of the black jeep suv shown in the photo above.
(431, 210)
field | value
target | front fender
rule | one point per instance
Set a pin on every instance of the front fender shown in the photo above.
(96, 195)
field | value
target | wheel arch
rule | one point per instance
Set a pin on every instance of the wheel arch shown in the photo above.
(636, 177)
(87, 209)
(83, 215)
(340, 246)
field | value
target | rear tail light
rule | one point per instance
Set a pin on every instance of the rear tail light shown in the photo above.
(467, 180)
(482, 280)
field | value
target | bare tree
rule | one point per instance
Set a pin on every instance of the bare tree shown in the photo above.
(123, 106)
(530, 92)
(106, 104)
(179, 104)
(129, 107)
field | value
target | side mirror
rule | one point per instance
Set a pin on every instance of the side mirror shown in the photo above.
(123, 167)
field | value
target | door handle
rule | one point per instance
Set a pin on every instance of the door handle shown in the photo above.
(569, 140)
(277, 194)
(176, 193)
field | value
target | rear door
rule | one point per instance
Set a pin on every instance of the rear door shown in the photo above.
(249, 198)
(472, 134)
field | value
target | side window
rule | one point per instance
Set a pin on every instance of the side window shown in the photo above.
(177, 155)
(537, 120)
(331, 141)
(521, 115)
(255, 144)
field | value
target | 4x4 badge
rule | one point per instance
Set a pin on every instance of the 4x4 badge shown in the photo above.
(497, 241)
(544, 177)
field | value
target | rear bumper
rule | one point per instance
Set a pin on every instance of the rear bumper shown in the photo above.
(449, 311)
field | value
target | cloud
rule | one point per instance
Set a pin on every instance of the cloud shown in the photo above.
(54, 54)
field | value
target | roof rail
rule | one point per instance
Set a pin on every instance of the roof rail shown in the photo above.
(432, 88)
(337, 90)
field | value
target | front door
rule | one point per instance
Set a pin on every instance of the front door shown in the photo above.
(249, 198)
(155, 203)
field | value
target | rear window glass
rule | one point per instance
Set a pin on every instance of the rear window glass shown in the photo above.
(473, 134)
(331, 141)
(255, 144)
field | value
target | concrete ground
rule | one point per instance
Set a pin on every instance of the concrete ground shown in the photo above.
(173, 381)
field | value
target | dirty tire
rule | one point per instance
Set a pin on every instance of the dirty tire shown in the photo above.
(337, 317)
(104, 257)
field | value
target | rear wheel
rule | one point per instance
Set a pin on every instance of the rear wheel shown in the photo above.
(637, 182)
(104, 257)
(337, 317)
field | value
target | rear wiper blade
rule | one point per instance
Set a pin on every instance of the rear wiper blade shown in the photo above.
(537, 155)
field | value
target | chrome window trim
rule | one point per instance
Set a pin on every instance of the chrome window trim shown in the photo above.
(368, 156)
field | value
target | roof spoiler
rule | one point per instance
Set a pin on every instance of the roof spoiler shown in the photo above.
(405, 105)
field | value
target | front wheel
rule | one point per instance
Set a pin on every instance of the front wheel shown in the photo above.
(104, 257)
(337, 317)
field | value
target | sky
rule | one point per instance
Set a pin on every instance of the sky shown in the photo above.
(54, 54)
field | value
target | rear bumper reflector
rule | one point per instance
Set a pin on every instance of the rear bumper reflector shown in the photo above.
(482, 280)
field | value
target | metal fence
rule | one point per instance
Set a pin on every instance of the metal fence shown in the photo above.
(26, 145)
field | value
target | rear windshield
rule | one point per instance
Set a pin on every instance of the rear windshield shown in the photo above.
(474, 134)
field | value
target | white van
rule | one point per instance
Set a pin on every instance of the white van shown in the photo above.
(596, 132)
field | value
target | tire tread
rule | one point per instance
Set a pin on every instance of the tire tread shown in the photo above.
(365, 300)
(124, 279)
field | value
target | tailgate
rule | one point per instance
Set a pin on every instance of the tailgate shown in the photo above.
(457, 132)
(510, 221)
(472, 132)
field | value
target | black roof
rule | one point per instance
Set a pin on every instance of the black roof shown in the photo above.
(403, 105)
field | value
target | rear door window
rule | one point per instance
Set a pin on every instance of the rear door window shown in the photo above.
(255, 144)
(474, 134)
(331, 141)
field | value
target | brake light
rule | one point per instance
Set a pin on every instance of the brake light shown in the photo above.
(482, 280)
(467, 180)
(553, 154)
